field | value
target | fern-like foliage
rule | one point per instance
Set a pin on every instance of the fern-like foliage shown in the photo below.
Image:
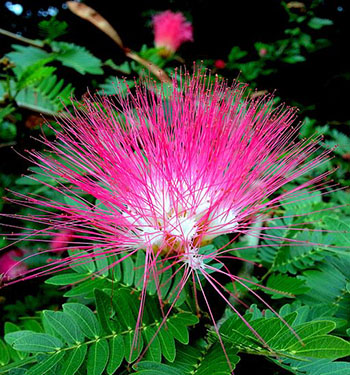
(85, 276)
(329, 283)
(49, 95)
(302, 249)
(77, 340)
(299, 339)
(202, 359)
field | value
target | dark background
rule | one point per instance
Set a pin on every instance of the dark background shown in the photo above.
(322, 81)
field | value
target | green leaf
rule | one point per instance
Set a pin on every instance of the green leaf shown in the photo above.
(148, 367)
(154, 348)
(104, 310)
(27, 341)
(77, 57)
(331, 347)
(85, 319)
(287, 286)
(52, 28)
(320, 367)
(128, 271)
(86, 288)
(133, 346)
(117, 352)
(15, 355)
(32, 325)
(236, 54)
(24, 56)
(294, 59)
(167, 344)
(318, 23)
(74, 360)
(4, 354)
(101, 261)
(65, 326)
(65, 279)
(301, 255)
(84, 262)
(122, 306)
(17, 364)
(178, 331)
(46, 365)
(97, 357)
(8, 130)
(342, 229)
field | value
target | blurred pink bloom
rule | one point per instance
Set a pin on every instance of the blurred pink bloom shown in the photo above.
(61, 240)
(10, 267)
(262, 52)
(171, 30)
(219, 64)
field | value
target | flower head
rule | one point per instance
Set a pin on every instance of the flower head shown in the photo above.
(171, 30)
(167, 174)
(168, 179)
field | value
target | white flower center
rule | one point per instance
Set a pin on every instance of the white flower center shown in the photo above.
(159, 224)
(193, 259)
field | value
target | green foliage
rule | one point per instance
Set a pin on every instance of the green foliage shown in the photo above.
(297, 345)
(48, 96)
(77, 57)
(25, 56)
(112, 86)
(128, 273)
(78, 337)
(202, 359)
(52, 29)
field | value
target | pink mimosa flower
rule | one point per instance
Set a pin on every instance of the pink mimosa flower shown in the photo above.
(62, 240)
(166, 174)
(171, 30)
(10, 267)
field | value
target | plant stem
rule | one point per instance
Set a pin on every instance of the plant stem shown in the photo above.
(22, 39)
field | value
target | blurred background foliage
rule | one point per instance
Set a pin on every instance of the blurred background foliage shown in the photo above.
(298, 50)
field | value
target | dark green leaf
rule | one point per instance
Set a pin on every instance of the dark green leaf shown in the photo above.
(65, 326)
(84, 318)
(46, 365)
(27, 341)
(74, 360)
(97, 357)
(117, 352)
